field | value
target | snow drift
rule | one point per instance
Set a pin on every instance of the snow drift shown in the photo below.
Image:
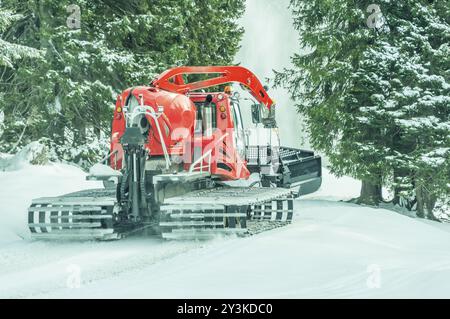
(33, 153)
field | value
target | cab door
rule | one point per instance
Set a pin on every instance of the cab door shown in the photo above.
(239, 132)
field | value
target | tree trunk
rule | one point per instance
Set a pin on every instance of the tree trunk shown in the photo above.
(400, 200)
(430, 204)
(80, 132)
(370, 193)
(420, 202)
(426, 202)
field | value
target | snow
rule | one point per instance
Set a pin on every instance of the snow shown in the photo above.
(9, 52)
(326, 254)
(19, 186)
(58, 106)
(23, 157)
(335, 189)
(435, 158)
(103, 170)
(424, 122)
(408, 92)
(332, 249)
(2, 120)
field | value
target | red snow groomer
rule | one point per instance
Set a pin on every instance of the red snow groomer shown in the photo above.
(175, 152)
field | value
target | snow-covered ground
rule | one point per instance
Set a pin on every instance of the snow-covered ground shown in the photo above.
(333, 249)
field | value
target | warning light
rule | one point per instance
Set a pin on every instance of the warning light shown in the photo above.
(228, 89)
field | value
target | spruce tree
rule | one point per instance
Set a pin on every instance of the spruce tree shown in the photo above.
(11, 54)
(70, 93)
(373, 88)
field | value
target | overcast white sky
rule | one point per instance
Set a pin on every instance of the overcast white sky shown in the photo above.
(268, 44)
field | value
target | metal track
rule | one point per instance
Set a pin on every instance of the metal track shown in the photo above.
(225, 210)
(82, 215)
(203, 214)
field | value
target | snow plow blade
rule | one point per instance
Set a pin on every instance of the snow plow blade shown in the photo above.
(286, 167)
(300, 168)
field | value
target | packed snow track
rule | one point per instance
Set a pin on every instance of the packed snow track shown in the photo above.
(332, 249)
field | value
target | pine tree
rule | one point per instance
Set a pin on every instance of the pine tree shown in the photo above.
(70, 94)
(375, 95)
(424, 100)
(11, 52)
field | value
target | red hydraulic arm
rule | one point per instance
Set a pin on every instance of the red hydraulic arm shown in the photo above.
(172, 80)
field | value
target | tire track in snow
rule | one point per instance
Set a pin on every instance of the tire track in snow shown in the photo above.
(42, 268)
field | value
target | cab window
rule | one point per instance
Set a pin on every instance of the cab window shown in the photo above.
(206, 117)
(237, 118)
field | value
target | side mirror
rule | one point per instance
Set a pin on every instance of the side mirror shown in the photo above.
(269, 120)
(256, 114)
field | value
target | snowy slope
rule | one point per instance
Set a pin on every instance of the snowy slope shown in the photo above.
(18, 187)
(333, 249)
(327, 253)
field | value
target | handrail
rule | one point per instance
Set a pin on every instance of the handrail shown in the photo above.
(209, 153)
(108, 156)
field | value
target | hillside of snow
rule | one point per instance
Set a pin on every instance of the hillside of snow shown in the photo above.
(332, 249)
(18, 187)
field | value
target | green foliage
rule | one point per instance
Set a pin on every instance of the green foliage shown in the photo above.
(376, 100)
(68, 95)
(11, 52)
